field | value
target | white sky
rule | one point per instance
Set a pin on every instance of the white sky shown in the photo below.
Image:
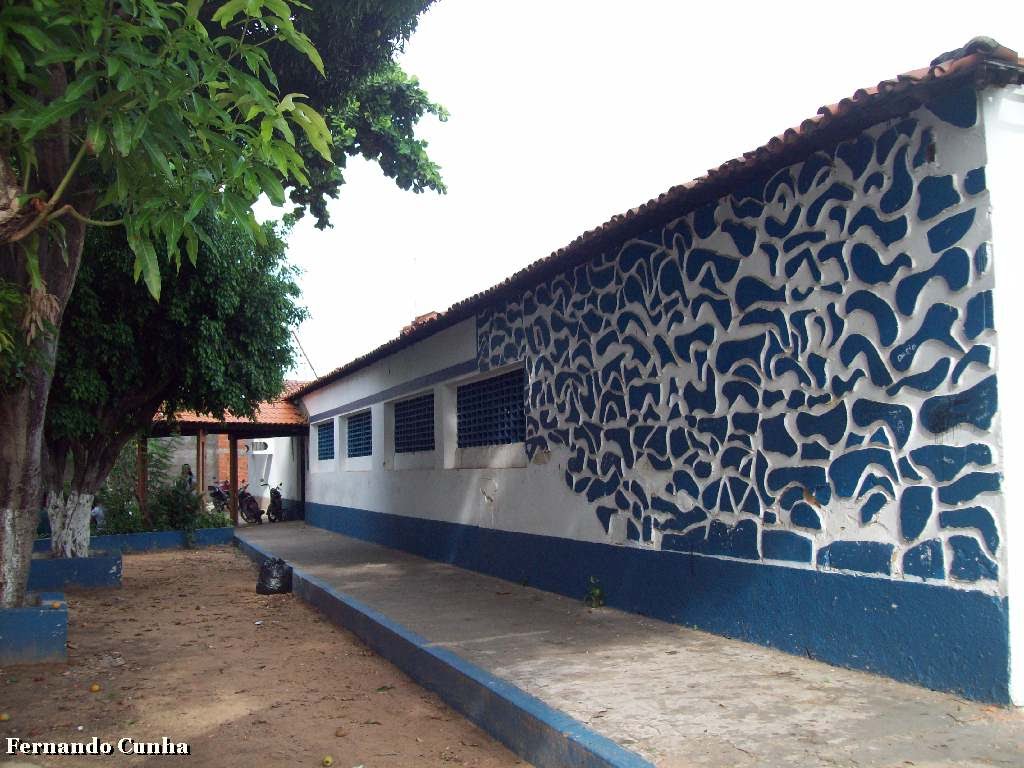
(566, 113)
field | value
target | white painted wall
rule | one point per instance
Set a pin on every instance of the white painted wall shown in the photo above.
(1003, 116)
(492, 488)
(497, 488)
(449, 347)
(279, 465)
(475, 488)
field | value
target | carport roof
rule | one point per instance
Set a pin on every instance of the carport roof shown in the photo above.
(274, 418)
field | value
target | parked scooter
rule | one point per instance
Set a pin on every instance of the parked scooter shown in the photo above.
(275, 512)
(218, 497)
(248, 507)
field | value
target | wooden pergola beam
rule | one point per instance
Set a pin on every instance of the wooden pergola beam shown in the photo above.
(241, 430)
(142, 477)
(201, 465)
(233, 477)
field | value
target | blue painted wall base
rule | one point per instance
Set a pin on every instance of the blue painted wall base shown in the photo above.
(149, 540)
(101, 569)
(547, 737)
(938, 637)
(293, 509)
(37, 634)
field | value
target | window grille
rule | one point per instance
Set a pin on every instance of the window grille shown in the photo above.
(325, 440)
(360, 435)
(414, 424)
(492, 411)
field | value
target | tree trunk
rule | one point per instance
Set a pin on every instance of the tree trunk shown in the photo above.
(69, 522)
(75, 473)
(22, 413)
(23, 401)
(18, 531)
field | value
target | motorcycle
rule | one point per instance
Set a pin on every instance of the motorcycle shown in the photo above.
(275, 512)
(248, 506)
(218, 497)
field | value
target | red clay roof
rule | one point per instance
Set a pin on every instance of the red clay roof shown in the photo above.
(279, 412)
(981, 62)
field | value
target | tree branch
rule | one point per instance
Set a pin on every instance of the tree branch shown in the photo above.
(44, 214)
(85, 219)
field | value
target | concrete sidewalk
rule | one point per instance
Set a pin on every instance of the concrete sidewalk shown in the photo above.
(676, 696)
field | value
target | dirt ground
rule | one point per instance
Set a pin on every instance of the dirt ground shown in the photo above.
(186, 649)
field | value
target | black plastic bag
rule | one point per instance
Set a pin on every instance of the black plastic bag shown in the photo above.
(275, 577)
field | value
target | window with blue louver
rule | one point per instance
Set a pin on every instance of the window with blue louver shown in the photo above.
(414, 424)
(325, 441)
(492, 411)
(360, 435)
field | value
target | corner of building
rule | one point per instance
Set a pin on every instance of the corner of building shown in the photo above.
(1003, 114)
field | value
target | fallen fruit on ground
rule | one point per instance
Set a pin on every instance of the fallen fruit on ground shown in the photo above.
(4, 717)
(55, 604)
(328, 760)
(94, 688)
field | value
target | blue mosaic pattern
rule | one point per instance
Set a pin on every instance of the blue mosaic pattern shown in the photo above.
(798, 372)
(360, 435)
(414, 424)
(325, 441)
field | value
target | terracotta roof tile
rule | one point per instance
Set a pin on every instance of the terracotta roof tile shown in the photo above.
(278, 412)
(982, 61)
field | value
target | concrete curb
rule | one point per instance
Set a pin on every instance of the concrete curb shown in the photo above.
(151, 540)
(35, 634)
(101, 569)
(546, 737)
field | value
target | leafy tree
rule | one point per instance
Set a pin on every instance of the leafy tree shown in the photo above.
(145, 114)
(119, 494)
(130, 104)
(371, 105)
(218, 341)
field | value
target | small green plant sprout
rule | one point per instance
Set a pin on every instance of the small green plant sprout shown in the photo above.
(595, 594)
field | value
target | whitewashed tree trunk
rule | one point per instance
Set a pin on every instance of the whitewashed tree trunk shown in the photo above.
(18, 529)
(69, 523)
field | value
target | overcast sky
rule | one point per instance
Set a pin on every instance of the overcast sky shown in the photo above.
(566, 113)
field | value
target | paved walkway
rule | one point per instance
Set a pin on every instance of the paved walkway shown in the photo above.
(678, 697)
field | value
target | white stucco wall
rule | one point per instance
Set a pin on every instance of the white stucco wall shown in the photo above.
(280, 464)
(449, 347)
(472, 487)
(597, 329)
(1003, 115)
(485, 490)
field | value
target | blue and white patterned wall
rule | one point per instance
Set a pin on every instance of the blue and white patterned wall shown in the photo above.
(803, 372)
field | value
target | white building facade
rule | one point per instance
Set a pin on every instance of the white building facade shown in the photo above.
(770, 404)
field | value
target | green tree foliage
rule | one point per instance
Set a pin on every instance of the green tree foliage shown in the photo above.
(218, 341)
(133, 106)
(372, 107)
(146, 114)
(169, 108)
(165, 115)
(118, 494)
(172, 507)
